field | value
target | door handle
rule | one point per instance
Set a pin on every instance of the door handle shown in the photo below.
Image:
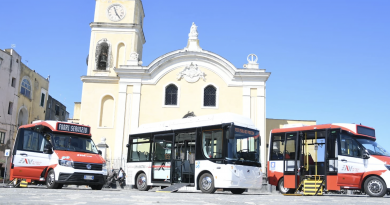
(23, 154)
(344, 160)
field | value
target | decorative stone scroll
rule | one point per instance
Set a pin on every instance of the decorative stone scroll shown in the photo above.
(191, 74)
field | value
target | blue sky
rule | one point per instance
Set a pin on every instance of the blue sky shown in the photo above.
(330, 60)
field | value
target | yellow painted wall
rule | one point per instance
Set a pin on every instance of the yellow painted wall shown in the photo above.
(93, 94)
(190, 98)
(76, 110)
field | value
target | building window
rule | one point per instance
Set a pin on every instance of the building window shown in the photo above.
(13, 82)
(2, 136)
(42, 99)
(26, 88)
(62, 113)
(49, 105)
(10, 106)
(171, 95)
(210, 96)
(57, 108)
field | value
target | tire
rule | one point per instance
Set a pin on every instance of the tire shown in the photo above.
(206, 183)
(142, 182)
(375, 187)
(50, 180)
(96, 187)
(237, 191)
(284, 190)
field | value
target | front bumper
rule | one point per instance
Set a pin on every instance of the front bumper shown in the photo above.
(78, 179)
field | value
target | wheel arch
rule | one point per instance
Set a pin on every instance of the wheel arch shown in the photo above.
(277, 185)
(368, 176)
(199, 175)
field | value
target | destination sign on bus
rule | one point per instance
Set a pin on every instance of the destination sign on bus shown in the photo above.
(72, 128)
(244, 131)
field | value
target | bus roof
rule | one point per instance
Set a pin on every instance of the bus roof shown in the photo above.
(64, 127)
(355, 129)
(201, 121)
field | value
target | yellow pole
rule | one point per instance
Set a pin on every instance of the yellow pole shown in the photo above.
(316, 152)
(307, 154)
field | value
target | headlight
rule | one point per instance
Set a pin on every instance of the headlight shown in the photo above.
(387, 166)
(104, 166)
(65, 163)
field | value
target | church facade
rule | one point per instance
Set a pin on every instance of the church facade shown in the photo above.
(120, 94)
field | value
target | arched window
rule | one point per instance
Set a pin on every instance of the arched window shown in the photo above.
(209, 98)
(120, 54)
(107, 112)
(171, 95)
(26, 88)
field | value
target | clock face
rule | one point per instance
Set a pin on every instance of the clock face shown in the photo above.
(116, 12)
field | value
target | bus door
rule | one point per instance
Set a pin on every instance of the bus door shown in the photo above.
(29, 158)
(290, 161)
(350, 162)
(162, 158)
(331, 159)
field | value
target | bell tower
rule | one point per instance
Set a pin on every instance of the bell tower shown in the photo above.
(117, 36)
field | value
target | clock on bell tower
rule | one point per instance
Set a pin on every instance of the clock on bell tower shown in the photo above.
(117, 36)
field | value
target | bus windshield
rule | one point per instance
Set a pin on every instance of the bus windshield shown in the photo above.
(245, 145)
(73, 143)
(373, 148)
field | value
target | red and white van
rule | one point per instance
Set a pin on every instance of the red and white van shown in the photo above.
(340, 156)
(58, 153)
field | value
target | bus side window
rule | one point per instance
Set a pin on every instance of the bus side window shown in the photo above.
(139, 149)
(277, 148)
(349, 147)
(32, 141)
(212, 143)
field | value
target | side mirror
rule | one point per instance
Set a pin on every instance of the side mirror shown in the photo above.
(128, 145)
(366, 155)
(100, 152)
(48, 149)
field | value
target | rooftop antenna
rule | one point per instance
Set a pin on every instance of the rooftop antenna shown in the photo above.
(27, 62)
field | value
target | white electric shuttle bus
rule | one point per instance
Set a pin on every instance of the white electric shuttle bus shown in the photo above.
(211, 152)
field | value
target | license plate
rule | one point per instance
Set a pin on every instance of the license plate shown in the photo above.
(88, 177)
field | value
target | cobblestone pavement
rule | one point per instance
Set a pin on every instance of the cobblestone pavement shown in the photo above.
(82, 195)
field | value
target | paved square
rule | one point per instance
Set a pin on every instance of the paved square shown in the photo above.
(83, 195)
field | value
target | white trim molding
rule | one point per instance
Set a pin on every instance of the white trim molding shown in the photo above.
(178, 95)
(216, 97)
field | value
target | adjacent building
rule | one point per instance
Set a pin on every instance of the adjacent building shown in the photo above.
(55, 110)
(10, 62)
(33, 95)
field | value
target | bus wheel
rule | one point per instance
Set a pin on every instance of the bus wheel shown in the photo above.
(50, 180)
(142, 184)
(237, 191)
(375, 186)
(206, 183)
(282, 189)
